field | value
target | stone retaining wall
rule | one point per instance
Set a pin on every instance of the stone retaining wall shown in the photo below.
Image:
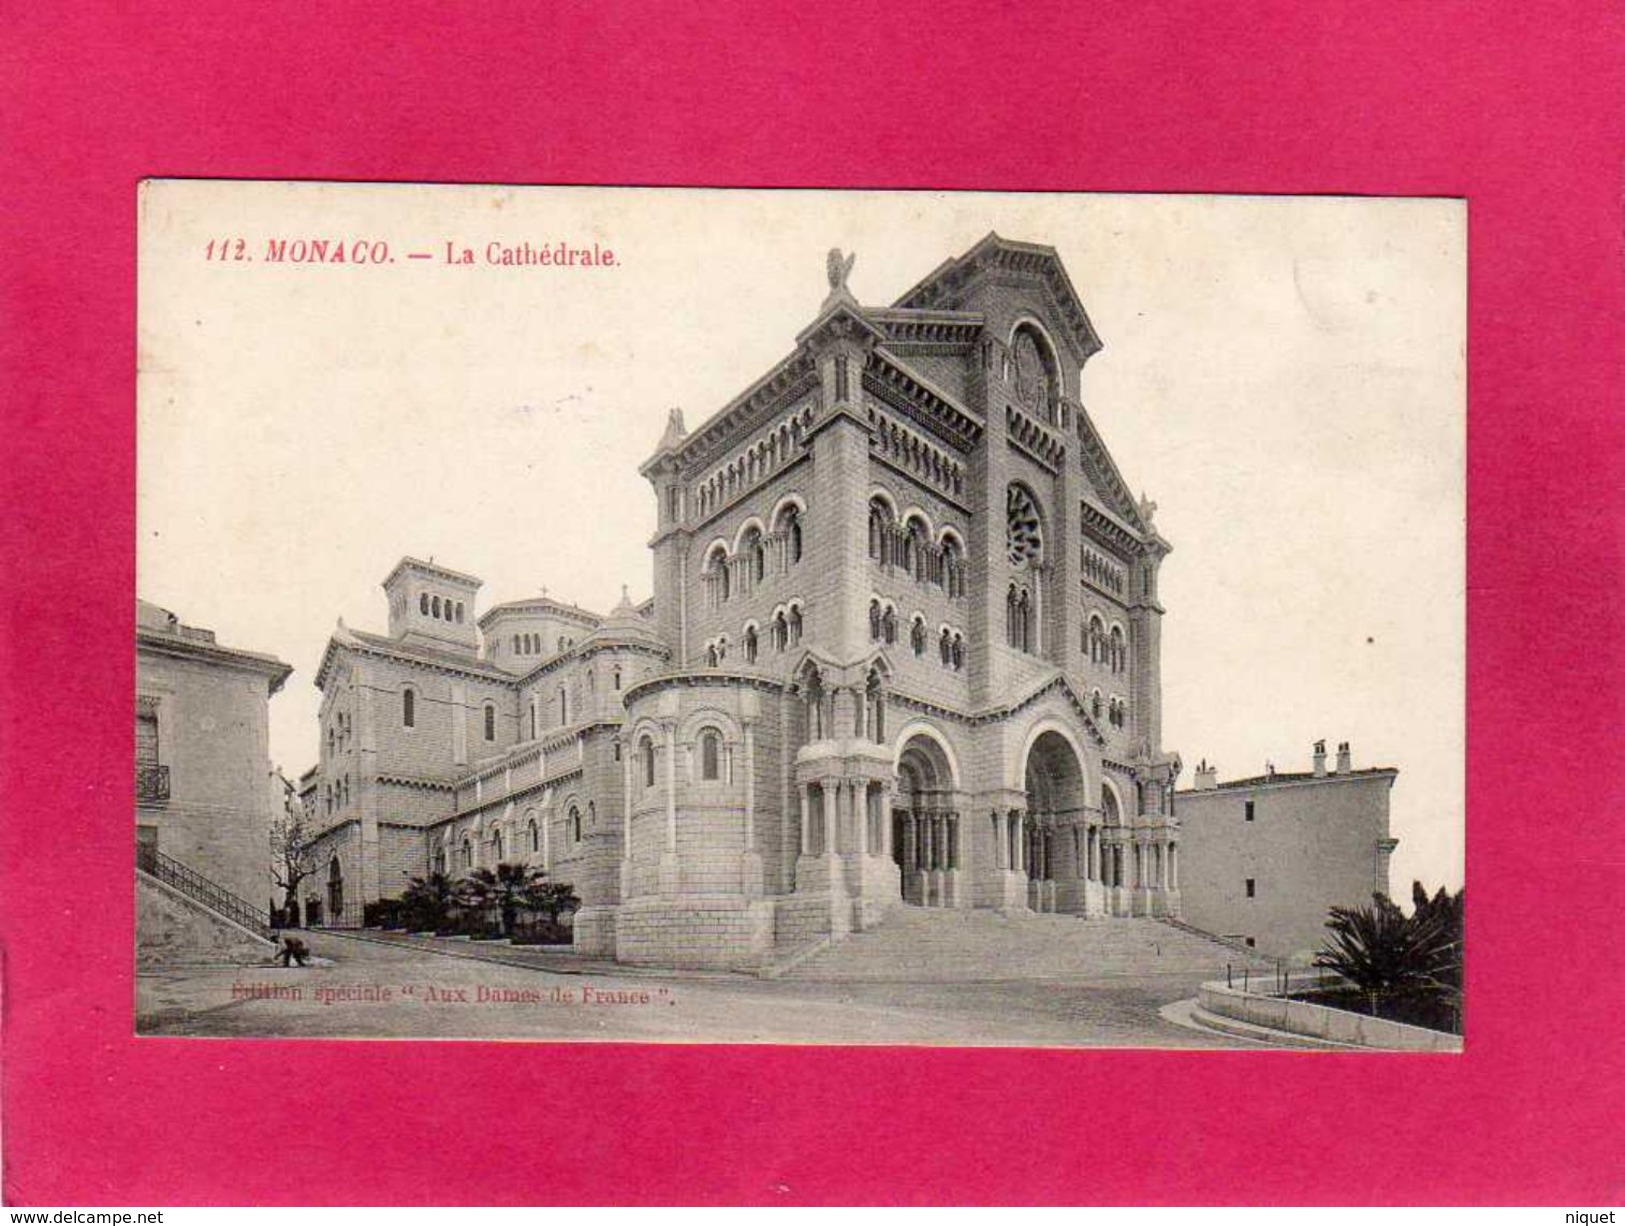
(1321, 1022)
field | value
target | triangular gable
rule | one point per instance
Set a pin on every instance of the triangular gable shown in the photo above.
(943, 287)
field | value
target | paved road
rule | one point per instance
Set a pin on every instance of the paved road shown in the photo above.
(368, 990)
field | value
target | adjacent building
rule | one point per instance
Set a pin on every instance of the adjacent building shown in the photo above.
(1267, 857)
(903, 649)
(204, 789)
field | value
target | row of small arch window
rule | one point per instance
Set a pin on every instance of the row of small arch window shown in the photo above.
(531, 644)
(785, 630)
(753, 548)
(446, 610)
(1110, 649)
(910, 549)
(1115, 710)
(338, 733)
(336, 795)
(710, 747)
(883, 629)
(465, 851)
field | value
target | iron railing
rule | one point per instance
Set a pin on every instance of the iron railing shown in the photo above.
(152, 783)
(200, 889)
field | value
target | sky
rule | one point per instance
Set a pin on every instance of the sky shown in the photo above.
(1283, 376)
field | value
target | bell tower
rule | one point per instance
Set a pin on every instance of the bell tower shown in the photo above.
(432, 605)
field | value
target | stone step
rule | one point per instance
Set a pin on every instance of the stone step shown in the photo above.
(944, 945)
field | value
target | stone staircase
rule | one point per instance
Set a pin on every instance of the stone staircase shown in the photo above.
(931, 945)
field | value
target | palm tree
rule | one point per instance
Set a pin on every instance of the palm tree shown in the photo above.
(515, 887)
(1381, 950)
(426, 901)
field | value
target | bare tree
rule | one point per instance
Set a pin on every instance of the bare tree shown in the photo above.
(292, 857)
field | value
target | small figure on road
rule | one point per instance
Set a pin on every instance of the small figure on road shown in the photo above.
(293, 951)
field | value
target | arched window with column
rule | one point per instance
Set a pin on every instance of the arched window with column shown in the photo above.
(953, 566)
(787, 526)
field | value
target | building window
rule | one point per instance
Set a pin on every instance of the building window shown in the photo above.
(880, 531)
(958, 652)
(490, 722)
(459, 612)
(710, 754)
(888, 625)
(750, 645)
(564, 706)
(646, 751)
(795, 625)
(874, 620)
(1249, 811)
(423, 603)
(409, 708)
(916, 636)
(146, 738)
(535, 835)
(792, 529)
(617, 748)
(1252, 888)
(842, 381)
(617, 676)
(466, 852)
(575, 824)
(496, 847)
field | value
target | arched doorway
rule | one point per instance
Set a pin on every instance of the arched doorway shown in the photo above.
(926, 836)
(1054, 838)
(335, 891)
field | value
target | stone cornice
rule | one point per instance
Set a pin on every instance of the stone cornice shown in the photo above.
(541, 605)
(1109, 531)
(478, 670)
(986, 715)
(1102, 471)
(789, 380)
(888, 378)
(703, 677)
(411, 781)
(159, 643)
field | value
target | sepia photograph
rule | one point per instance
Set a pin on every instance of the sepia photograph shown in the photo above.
(800, 617)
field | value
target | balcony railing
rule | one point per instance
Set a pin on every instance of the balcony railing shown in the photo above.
(152, 783)
(200, 889)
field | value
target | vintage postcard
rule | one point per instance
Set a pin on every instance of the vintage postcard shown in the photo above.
(800, 616)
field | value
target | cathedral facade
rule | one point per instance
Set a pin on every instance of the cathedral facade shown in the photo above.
(903, 650)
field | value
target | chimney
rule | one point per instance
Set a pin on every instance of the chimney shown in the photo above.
(1343, 766)
(1320, 759)
(1207, 777)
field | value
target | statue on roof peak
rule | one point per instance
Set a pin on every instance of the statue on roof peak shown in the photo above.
(839, 267)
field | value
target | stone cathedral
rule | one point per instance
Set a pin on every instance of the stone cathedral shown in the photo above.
(903, 651)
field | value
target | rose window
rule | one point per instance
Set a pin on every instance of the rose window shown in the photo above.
(1023, 536)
